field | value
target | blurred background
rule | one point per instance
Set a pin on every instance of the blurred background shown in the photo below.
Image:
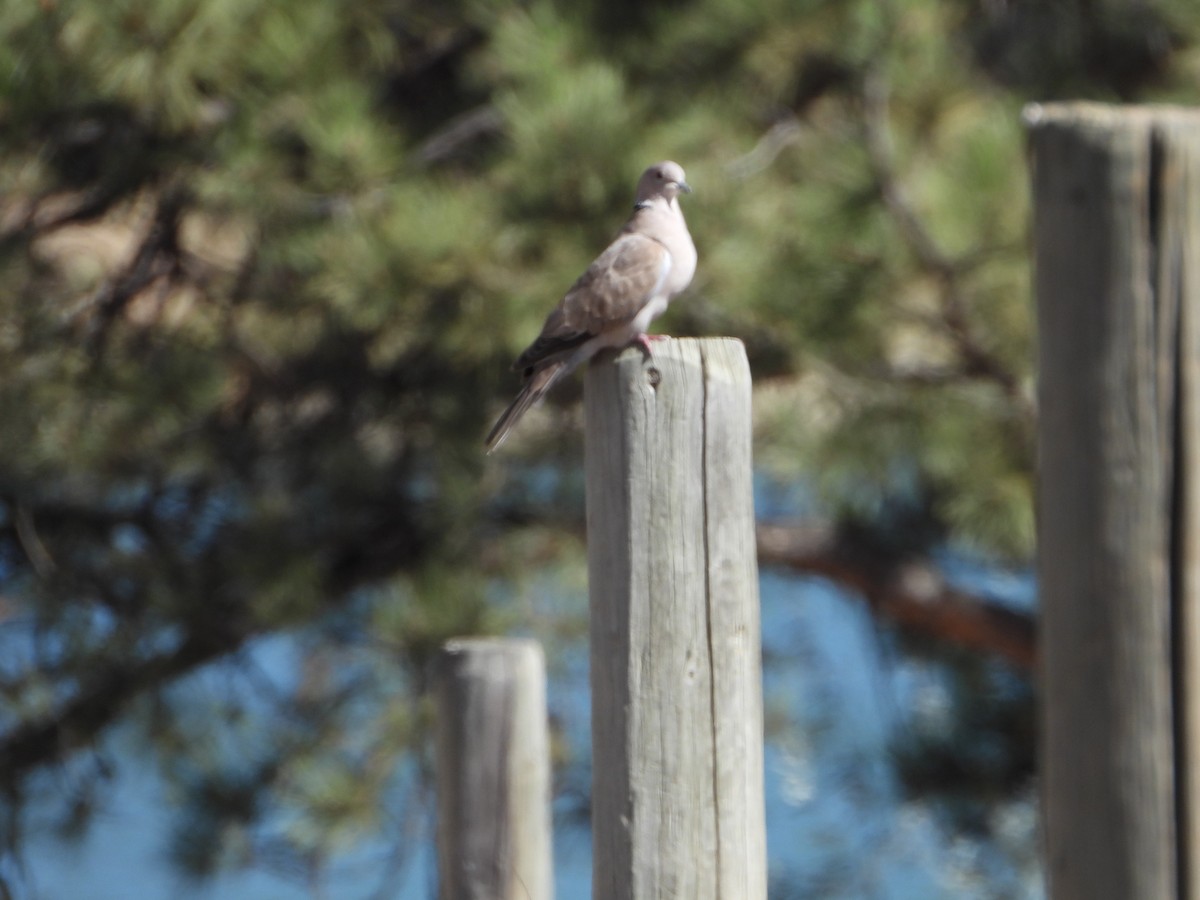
(263, 269)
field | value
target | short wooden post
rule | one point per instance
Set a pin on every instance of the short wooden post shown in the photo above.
(677, 791)
(493, 771)
(1117, 236)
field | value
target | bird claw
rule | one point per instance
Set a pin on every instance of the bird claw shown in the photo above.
(644, 341)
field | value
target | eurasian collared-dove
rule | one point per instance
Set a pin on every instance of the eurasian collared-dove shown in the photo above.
(614, 301)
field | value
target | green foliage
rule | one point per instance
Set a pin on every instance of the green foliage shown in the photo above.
(265, 265)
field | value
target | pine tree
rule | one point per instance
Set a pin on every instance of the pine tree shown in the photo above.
(265, 266)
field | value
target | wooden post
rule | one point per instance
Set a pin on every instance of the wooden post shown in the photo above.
(677, 790)
(1180, 275)
(493, 771)
(1117, 235)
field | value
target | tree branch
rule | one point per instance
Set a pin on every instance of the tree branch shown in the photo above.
(978, 361)
(910, 592)
(156, 257)
(78, 722)
(913, 594)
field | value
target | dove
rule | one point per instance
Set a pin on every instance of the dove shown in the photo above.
(612, 303)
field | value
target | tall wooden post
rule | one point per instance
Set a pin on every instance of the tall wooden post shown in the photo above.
(675, 643)
(1117, 236)
(493, 771)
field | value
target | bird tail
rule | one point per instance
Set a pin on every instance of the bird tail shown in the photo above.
(535, 388)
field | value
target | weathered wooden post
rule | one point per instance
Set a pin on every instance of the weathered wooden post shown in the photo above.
(1117, 234)
(677, 788)
(493, 771)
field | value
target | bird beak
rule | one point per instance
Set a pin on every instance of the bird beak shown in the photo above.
(684, 186)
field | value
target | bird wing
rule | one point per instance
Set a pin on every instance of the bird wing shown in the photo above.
(615, 287)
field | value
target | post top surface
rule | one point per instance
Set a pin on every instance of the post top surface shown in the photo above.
(718, 357)
(498, 645)
(666, 347)
(1106, 115)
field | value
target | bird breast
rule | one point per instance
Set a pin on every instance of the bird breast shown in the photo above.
(683, 264)
(666, 225)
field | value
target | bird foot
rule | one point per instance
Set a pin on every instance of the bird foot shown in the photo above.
(644, 341)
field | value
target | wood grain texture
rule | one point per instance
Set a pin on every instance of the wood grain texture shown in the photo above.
(1109, 241)
(493, 771)
(1179, 277)
(676, 662)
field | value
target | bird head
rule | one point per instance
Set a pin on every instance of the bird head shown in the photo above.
(664, 179)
